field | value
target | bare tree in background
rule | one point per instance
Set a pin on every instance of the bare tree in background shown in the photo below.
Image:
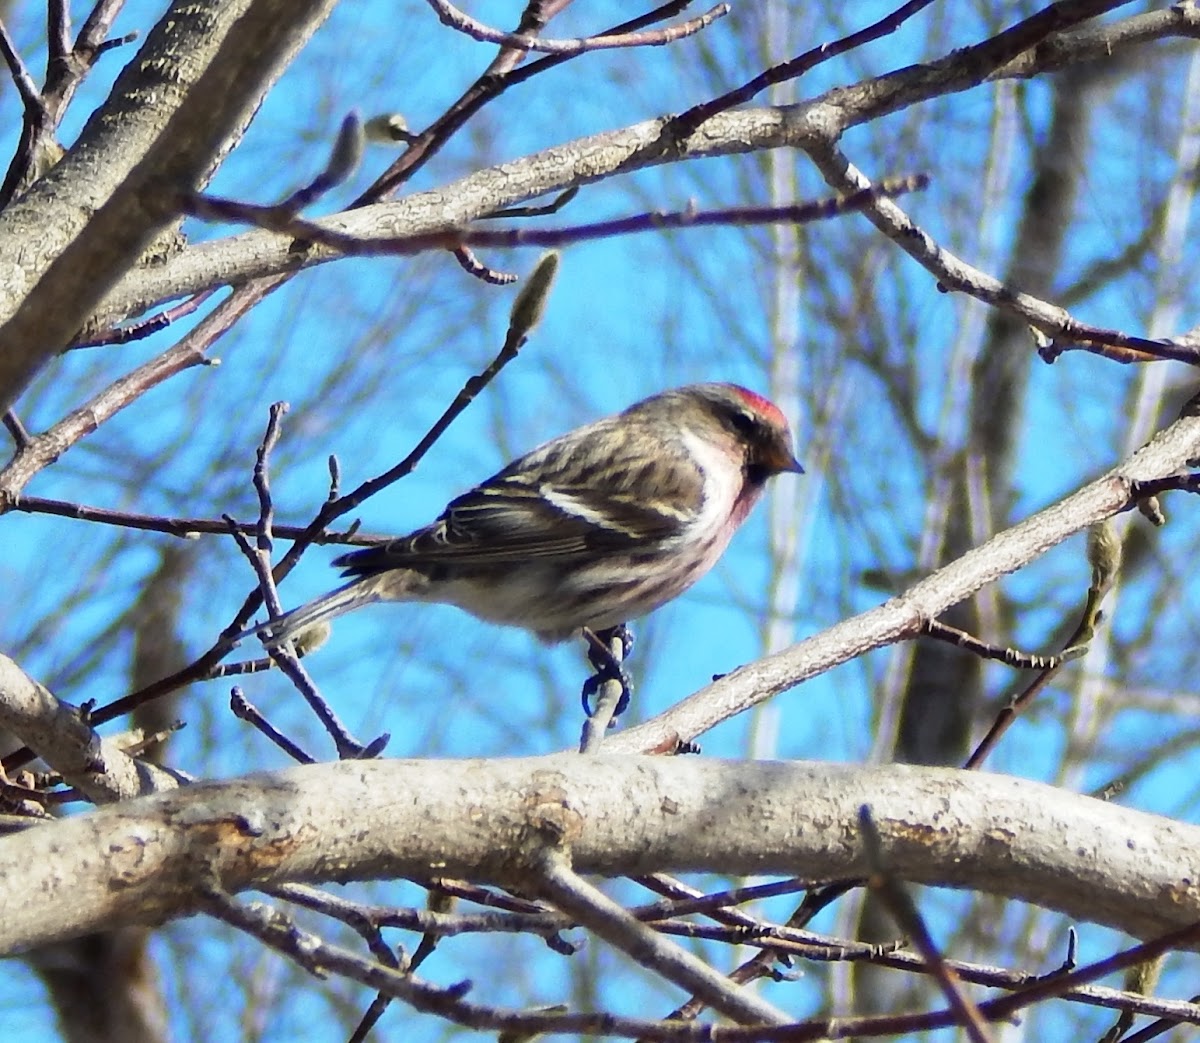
(1025, 179)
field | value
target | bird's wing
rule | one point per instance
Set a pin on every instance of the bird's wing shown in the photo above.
(560, 500)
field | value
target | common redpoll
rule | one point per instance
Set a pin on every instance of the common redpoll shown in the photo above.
(592, 529)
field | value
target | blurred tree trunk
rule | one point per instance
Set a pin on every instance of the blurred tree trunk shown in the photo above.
(105, 986)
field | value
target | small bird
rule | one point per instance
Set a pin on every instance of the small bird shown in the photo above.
(592, 529)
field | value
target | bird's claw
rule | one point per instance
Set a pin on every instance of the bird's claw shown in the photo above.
(608, 667)
(607, 672)
(599, 654)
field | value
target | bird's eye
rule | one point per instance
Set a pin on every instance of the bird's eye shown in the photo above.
(744, 422)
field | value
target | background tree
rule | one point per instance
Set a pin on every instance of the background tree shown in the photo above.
(909, 347)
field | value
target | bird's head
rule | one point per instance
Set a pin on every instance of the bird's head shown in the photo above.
(757, 428)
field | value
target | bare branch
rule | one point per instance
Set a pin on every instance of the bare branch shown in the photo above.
(43, 449)
(22, 79)
(62, 737)
(910, 921)
(686, 124)
(610, 921)
(213, 208)
(472, 265)
(1104, 555)
(144, 328)
(183, 528)
(246, 711)
(1050, 324)
(93, 228)
(296, 825)
(497, 78)
(451, 16)
(1009, 656)
(903, 617)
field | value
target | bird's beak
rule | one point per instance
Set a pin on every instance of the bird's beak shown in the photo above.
(783, 460)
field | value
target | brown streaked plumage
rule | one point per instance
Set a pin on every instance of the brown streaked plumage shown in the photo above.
(593, 528)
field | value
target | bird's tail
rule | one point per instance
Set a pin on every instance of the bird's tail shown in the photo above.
(295, 623)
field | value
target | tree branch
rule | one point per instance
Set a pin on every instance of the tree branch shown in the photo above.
(195, 83)
(487, 820)
(58, 733)
(903, 617)
(451, 16)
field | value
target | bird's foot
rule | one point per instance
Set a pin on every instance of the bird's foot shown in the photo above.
(607, 665)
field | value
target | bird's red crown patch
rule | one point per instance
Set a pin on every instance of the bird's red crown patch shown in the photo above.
(762, 406)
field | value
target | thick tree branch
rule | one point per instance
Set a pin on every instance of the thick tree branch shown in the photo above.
(489, 820)
(97, 767)
(586, 160)
(192, 87)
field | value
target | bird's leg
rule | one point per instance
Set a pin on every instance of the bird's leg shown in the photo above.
(607, 664)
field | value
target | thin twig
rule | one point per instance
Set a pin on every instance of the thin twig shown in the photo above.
(44, 449)
(185, 528)
(487, 897)
(259, 556)
(1009, 656)
(344, 157)
(267, 590)
(240, 669)
(27, 89)
(47, 447)
(246, 711)
(785, 942)
(1181, 938)
(66, 68)
(1104, 554)
(63, 79)
(686, 900)
(904, 911)
(762, 964)
(351, 914)
(217, 208)
(612, 922)
(362, 920)
(472, 265)
(58, 35)
(466, 395)
(1000, 1009)
(262, 479)
(1052, 324)
(1154, 1029)
(145, 327)
(348, 748)
(485, 89)
(686, 123)
(545, 210)
(741, 928)
(279, 932)
(451, 16)
(1187, 483)
(20, 436)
